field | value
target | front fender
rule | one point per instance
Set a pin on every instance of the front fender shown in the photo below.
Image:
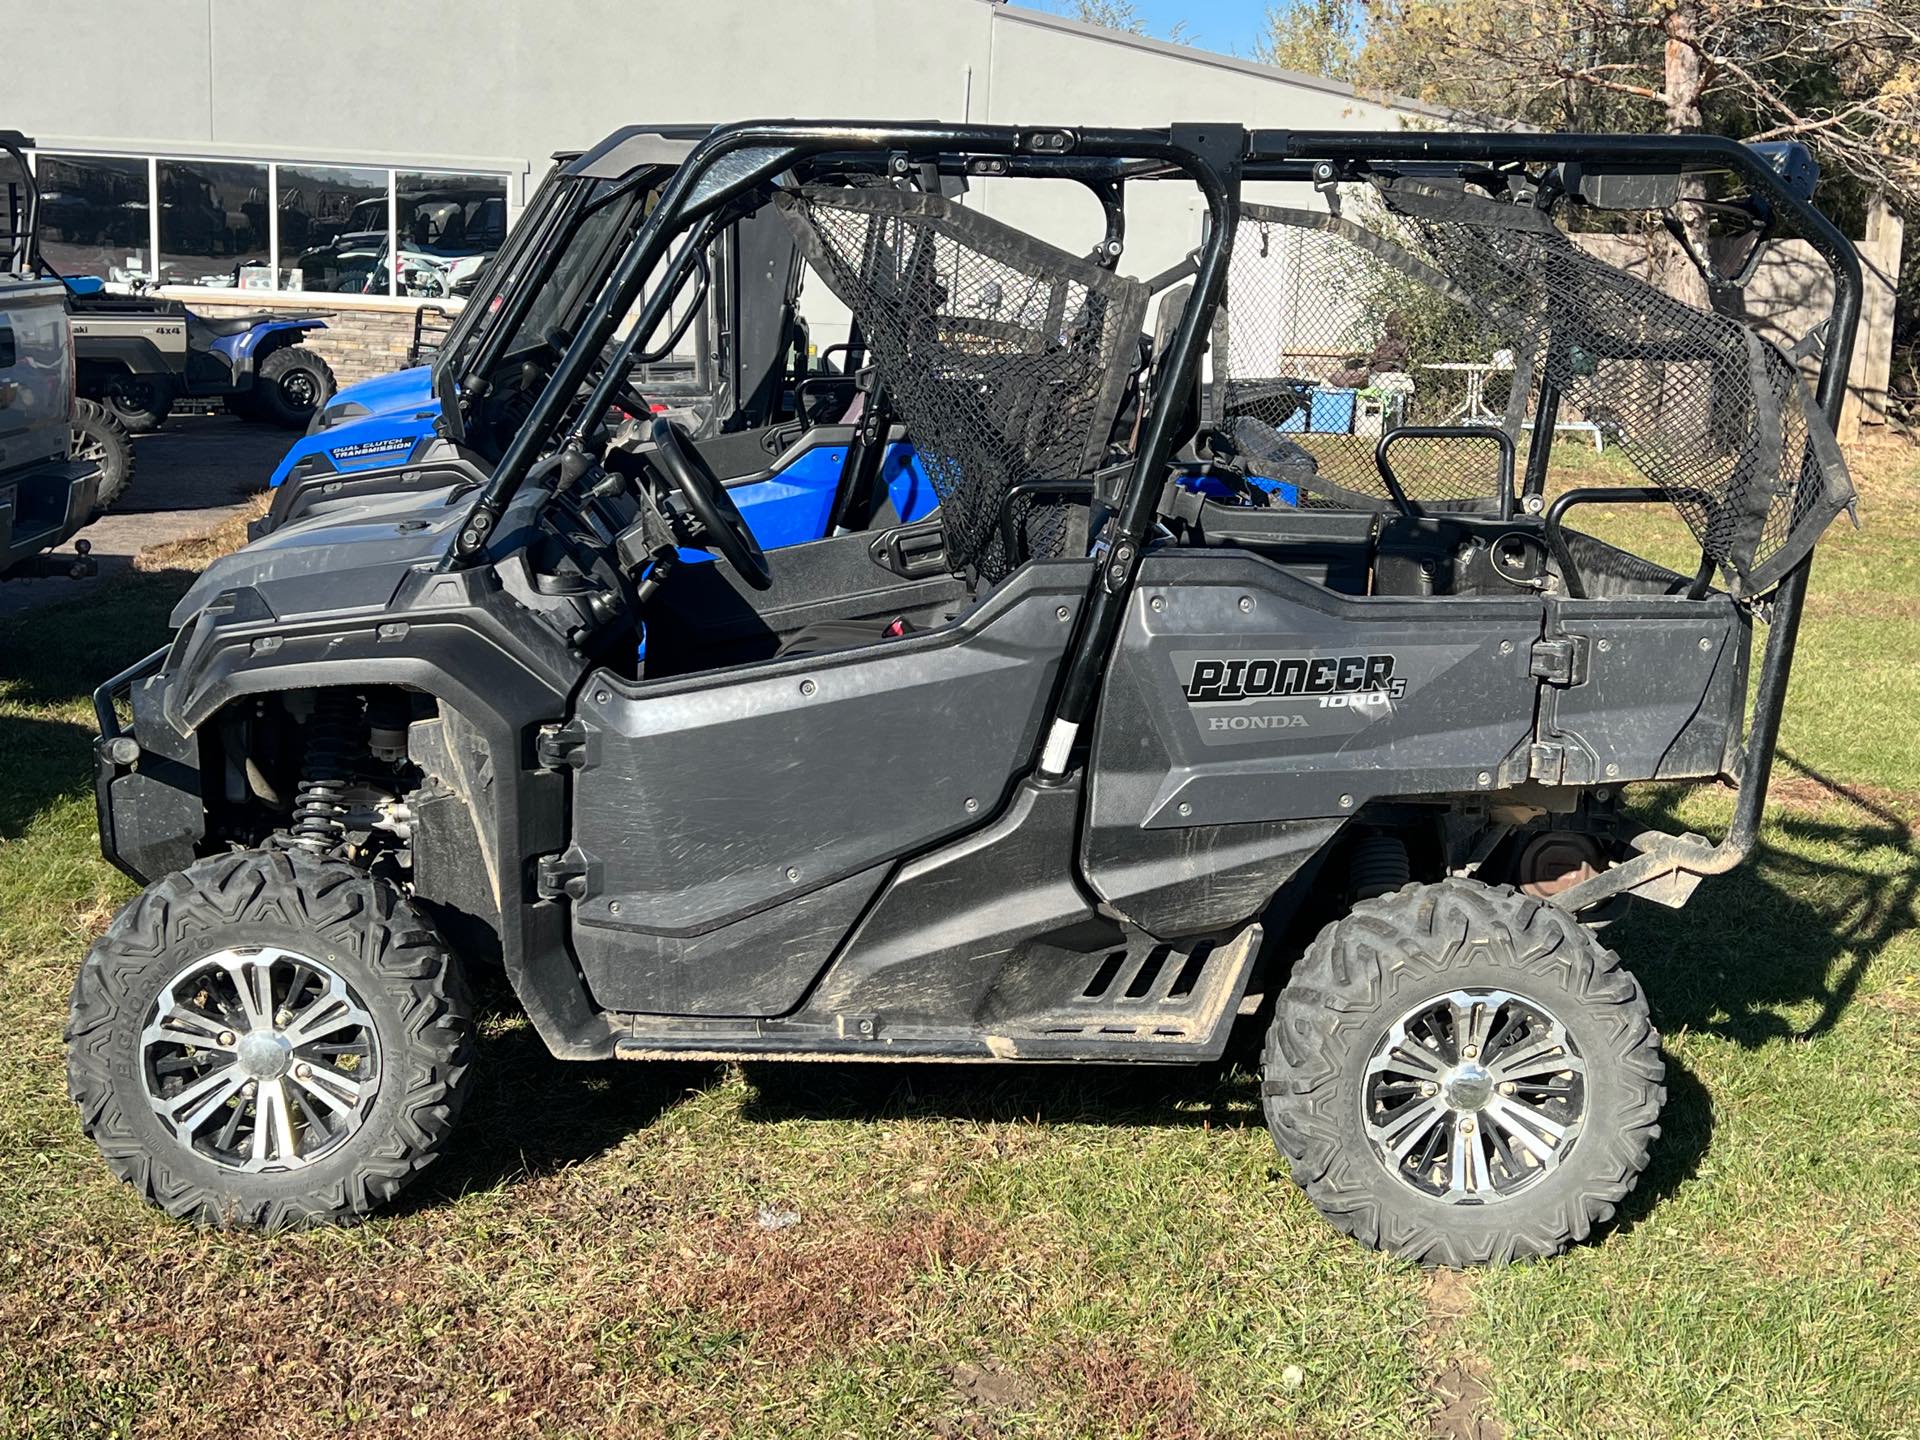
(454, 637)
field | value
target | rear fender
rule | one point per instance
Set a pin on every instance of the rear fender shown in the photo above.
(134, 353)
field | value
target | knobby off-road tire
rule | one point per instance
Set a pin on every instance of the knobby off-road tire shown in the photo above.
(97, 436)
(293, 383)
(1364, 1052)
(141, 403)
(337, 961)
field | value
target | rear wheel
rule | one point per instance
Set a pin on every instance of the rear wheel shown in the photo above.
(97, 436)
(1459, 1075)
(268, 1039)
(139, 402)
(292, 384)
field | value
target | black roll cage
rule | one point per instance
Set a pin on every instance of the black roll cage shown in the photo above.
(25, 242)
(733, 161)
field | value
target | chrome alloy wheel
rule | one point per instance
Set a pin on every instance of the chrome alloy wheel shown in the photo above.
(260, 1059)
(1473, 1096)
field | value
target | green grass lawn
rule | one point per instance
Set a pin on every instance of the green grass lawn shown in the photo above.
(987, 1252)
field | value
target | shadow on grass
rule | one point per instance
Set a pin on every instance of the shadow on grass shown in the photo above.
(51, 658)
(530, 1115)
(1784, 930)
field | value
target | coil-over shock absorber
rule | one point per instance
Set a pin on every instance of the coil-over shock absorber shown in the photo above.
(336, 735)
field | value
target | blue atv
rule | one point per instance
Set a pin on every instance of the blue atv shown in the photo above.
(803, 450)
(137, 355)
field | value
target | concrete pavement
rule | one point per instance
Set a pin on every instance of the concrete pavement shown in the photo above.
(191, 474)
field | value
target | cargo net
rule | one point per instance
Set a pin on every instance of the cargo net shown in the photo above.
(1006, 359)
(1445, 309)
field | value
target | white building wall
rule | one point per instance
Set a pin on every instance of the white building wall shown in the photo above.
(501, 84)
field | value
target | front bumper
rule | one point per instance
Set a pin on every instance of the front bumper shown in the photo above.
(147, 789)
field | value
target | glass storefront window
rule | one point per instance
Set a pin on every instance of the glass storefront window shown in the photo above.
(95, 216)
(213, 223)
(333, 229)
(216, 220)
(449, 226)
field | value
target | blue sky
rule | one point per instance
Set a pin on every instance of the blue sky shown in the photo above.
(1231, 26)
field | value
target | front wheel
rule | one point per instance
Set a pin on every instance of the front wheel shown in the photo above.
(267, 1039)
(293, 383)
(1459, 1075)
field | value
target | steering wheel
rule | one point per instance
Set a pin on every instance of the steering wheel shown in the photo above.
(707, 498)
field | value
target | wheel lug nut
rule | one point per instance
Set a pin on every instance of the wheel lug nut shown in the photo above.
(1427, 1087)
(226, 1037)
(1466, 1127)
(1471, 1051)
(1507, 1087)
(301, 1072)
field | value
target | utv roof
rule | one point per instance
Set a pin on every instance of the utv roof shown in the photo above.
(634, 145)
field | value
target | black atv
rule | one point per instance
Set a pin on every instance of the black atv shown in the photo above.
(1171, 715)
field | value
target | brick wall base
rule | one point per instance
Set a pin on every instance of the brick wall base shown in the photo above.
(362, 339)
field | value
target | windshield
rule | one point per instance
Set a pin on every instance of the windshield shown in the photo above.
(543, 282)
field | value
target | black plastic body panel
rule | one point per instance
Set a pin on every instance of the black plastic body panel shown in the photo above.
(986, 948)
(432, 464)
(932, 949)
(153, 816)
(759, 965)
(1412, 697)
(1329, 547)
(1200, 878)
(707, 799)
(1662, 693)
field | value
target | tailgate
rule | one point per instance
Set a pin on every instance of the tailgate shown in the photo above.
(36, 372)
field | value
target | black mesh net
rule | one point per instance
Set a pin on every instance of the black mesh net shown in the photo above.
(1329, 340)
(1446, 308)
(1006, 359)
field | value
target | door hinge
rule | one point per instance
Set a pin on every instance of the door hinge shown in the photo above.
(561, 747)
(1561, 660)
(568, 875)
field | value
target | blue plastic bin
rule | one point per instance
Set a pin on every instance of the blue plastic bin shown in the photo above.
(1328, 412)
(1332, 412)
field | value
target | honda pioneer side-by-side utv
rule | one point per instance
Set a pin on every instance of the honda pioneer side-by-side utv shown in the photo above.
(1245, 669)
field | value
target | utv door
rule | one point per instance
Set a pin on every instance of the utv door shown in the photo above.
(729, 827)
(1249, 712)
